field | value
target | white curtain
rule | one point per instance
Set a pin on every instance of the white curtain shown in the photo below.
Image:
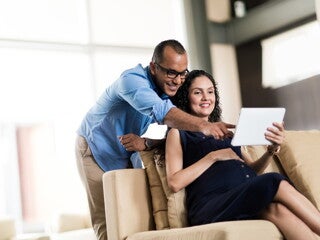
(10, 204)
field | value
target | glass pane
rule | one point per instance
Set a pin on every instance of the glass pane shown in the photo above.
(37, 85)
(136, 23)
(47, 85)
(44, 20)
(45, 92)
(110, 63)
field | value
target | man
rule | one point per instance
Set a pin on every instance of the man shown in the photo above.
(111, 129)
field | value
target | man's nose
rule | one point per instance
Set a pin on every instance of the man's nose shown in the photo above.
(177, 80)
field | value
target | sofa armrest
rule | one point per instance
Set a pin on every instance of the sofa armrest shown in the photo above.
(80, 234)
(127, 203)
(64, 222)
(32, 236)
(8, 229)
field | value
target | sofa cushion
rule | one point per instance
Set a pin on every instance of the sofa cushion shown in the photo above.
(299, 156)
(159, 200)
(248, 230)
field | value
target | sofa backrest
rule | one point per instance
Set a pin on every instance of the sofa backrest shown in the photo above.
(256, 152)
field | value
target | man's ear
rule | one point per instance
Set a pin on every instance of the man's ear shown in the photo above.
(152, 68)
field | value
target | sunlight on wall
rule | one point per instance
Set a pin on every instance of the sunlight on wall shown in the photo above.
(291, 56)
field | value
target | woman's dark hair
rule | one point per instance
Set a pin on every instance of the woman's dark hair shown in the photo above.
(181, 99)
(158, 51)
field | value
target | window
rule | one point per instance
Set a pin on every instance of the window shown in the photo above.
(56, 58)
(291, 56)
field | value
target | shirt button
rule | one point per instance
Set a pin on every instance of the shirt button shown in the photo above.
(247, 176)
(242, 166)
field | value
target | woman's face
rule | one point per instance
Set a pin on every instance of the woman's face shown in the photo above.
(201, 97)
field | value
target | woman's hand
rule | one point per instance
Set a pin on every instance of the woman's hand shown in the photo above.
(276, 136)
(132, 142)
(224, 154)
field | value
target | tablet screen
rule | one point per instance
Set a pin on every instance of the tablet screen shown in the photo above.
(253, 124)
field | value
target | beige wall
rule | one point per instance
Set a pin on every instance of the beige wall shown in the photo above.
(218, 10)
(224, 63)
(318, 9)
(225, 72)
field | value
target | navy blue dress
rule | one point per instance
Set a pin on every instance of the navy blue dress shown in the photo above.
(228, 190)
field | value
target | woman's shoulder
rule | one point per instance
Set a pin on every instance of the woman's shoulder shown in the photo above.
(172, 131)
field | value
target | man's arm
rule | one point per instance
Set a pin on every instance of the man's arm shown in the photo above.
(179, 119)
(133, 142)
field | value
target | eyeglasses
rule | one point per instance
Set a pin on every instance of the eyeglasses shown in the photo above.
(172, 74)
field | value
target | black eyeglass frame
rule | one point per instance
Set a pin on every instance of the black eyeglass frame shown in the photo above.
(172, 74)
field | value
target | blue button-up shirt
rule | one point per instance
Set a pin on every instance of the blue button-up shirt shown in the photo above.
(129, 105)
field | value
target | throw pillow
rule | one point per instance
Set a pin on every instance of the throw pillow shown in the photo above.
(159, 200)
(299, 156)
(177, 213)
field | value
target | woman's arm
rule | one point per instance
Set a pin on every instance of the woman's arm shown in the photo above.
(276, 136)
(260, 164)
(178, 177)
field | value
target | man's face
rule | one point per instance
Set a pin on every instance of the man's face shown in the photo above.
(171, 72)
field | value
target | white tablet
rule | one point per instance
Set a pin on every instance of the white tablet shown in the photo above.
(253, 124)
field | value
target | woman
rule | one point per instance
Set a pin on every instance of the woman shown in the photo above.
(221, 181)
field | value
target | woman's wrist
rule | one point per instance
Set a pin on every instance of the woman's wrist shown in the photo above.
(272, 149)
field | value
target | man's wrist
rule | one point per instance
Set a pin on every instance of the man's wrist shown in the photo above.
(148, 143)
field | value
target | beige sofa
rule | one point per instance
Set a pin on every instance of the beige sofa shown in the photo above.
(8, 231)
(64, 226)
(71, 226)
(140, 206)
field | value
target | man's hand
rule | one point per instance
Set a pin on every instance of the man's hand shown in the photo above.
(132, 142)
(219, 130)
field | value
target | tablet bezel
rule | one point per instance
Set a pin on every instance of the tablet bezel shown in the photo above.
(253, 123)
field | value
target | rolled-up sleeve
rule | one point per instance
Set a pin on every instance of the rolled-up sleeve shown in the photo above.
(160, 110)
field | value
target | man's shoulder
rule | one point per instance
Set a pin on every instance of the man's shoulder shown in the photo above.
(136, 77)
(138, 71)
